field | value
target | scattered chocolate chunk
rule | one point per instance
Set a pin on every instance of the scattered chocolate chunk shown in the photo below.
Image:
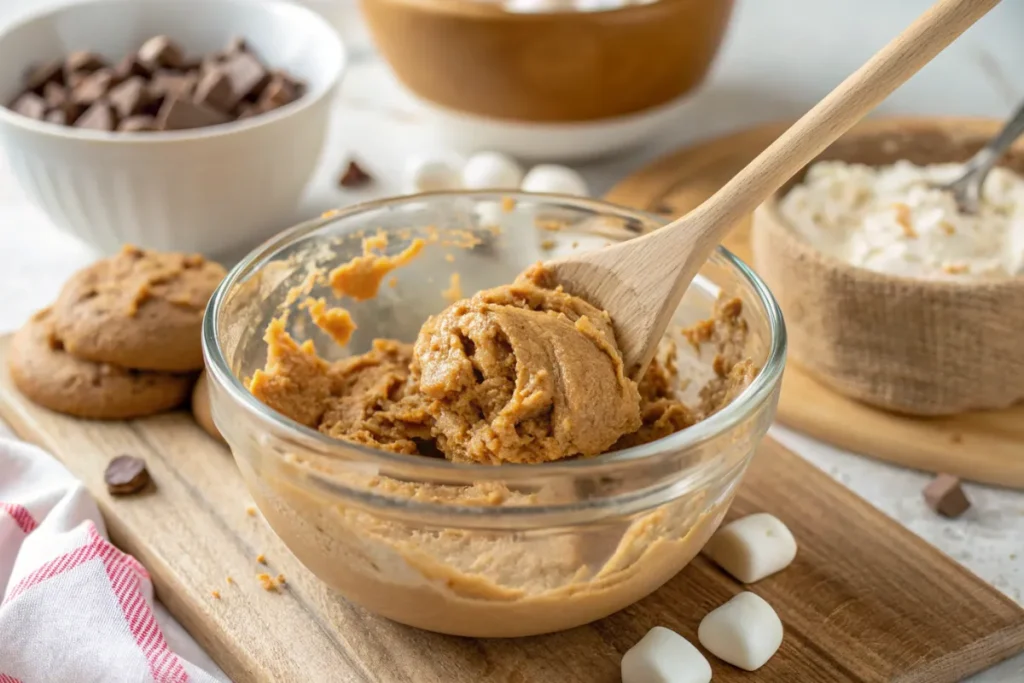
(214, 91)
(30, 105)
(158, 87)
(130, 97)
(945, 496)
(38, 76)
(246, 75)
(161, 51)
(83, 61)
(354, 176)
(93, 87)
(182, 114)
(126, 475)
(100, 116)
(137, 124)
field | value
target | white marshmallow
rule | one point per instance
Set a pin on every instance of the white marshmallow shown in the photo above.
(555, 179)
(427, 174)
(491, 171)
(664, 656)
(752, 547)
(744, 632)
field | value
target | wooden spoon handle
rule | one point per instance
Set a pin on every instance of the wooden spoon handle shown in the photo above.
(834, 115)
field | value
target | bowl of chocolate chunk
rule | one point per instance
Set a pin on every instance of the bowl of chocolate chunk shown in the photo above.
(894, 293)
(448, 438)
(190, 125)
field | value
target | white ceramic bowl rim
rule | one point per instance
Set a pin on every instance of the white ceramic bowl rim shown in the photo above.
(329, 42)
(720, 423)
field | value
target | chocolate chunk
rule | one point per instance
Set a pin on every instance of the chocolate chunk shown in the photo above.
(214, 91)
(130, 66)
(182, 114)
(100, 116)
(277, 93)
(30, 105)
(83, 61)
(93, 87)
(137, 124)
(55, 95)
(161, 51)
(38, 76)
(126, 475)
(58, 116)
(130, 97)
(172, 84)
(945, 495)
(246, 74)
(354, 176)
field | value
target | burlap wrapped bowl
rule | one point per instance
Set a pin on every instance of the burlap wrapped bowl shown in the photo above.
(913, 346)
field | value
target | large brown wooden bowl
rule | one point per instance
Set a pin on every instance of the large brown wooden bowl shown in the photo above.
(477, 58)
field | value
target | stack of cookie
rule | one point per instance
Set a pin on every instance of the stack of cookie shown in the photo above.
(123, 339)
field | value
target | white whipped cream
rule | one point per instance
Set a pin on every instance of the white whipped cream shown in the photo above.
(894, 220)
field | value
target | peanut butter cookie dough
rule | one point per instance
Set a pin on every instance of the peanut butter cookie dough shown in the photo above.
(523, 373)
(51, 377)
(138, 309)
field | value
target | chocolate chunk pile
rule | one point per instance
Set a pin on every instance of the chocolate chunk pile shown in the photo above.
(156, 88)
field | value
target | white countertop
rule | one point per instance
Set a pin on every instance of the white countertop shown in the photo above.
(780, 57)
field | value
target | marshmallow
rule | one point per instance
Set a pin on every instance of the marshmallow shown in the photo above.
(491, 171)
(425, 174)
(752, 547)
(664, 656)
(555, 179)
(744, 632)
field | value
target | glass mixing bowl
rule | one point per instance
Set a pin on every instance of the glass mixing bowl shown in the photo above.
(479, 550)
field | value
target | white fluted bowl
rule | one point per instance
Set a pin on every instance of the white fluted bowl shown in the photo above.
(212, 190)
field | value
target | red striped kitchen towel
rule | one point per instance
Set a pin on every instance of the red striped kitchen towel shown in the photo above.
(75, 608)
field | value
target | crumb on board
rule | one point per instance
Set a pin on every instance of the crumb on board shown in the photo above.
(250, 510)
(956, 437)
(215, 594)
(450, 258)
(507, 204)
(268, 582)
(392, 282)
(261, 558)
(550, 225)
(575, 243)
(230, 581)
(547, 244)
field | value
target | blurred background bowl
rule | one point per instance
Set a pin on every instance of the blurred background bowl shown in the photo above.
(212, 190)
(612, 75)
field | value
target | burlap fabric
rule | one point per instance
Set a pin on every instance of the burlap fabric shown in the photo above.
(912, 346)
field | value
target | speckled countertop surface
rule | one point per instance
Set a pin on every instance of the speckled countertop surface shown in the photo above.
(760, 77)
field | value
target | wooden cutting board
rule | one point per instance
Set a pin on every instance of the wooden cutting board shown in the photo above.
(865, 600)
(986, 447)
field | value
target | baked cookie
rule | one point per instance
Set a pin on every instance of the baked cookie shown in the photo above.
(201, 408)
(138, 309)
(51, 377)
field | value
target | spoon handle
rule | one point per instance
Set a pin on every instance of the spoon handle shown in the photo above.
(988, 155)
(834, 115)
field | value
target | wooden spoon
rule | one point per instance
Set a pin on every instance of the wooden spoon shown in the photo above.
(640, 282)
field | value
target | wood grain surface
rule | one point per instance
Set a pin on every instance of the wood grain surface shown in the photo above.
(986, 447)
(864, 601)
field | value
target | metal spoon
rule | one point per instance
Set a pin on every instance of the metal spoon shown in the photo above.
(966, 189)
